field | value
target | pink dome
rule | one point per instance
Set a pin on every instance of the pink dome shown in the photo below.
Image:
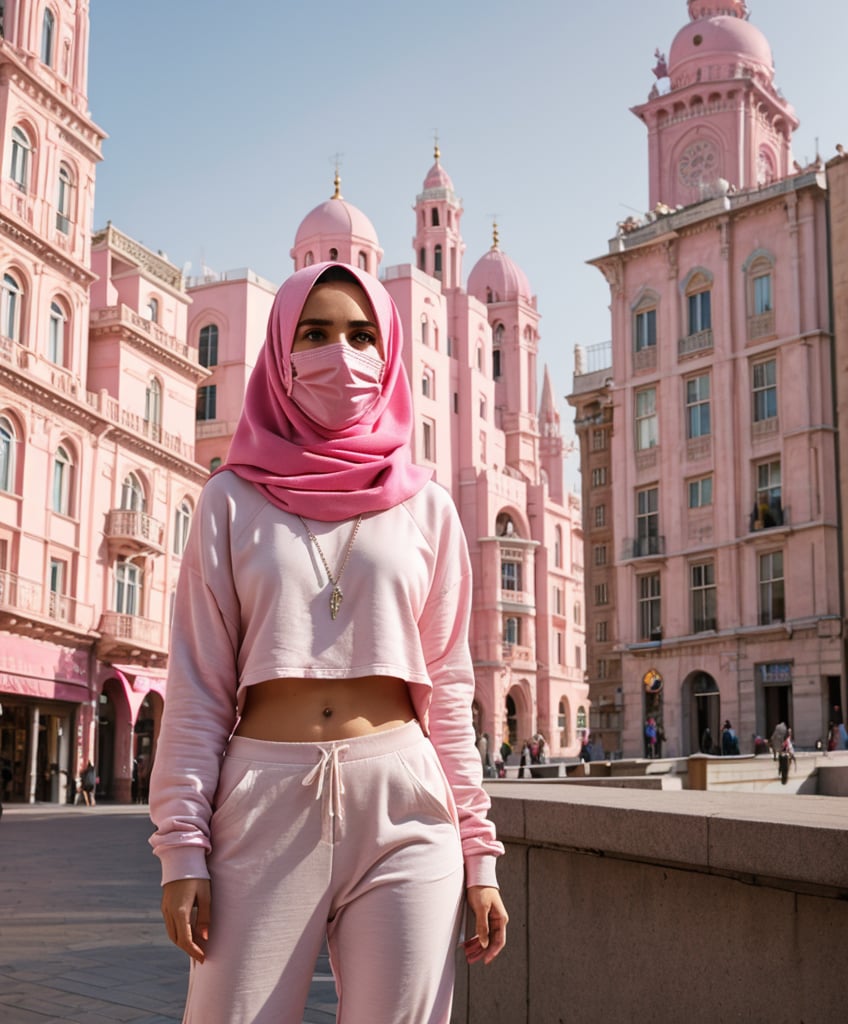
(710, 40)
(497, 278)
(333, 218)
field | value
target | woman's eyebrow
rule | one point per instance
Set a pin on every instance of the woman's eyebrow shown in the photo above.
(317, 322)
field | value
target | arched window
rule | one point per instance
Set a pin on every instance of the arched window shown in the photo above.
(63, 469)
(19, 163)
(132, 494)
(425, 332)
(308, 260)
(214, 463)
(480, 357)
(422, 258)
(434, 217)
(153, 310)
(558, 547)
(582, 721)
(498, 334)
(208, 345)
(437, 261)
(562, 724)
(512, 630)
(56, 330)
(182, 524)
(63, 199)
(12, 300)
(153, 408)
(334, 254)
(578, 613)
(425, 384)
(699, 303)
(48, 34)
(7, 455)
(363, 260)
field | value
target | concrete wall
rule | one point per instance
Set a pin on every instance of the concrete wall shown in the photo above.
(668, 906)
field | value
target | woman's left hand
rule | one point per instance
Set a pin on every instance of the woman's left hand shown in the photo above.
(491, 919)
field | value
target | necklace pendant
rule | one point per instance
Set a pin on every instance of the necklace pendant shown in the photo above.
(335, 601)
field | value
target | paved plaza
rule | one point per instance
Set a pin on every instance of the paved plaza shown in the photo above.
(81, 938)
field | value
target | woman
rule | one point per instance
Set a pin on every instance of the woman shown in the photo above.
(317, 757)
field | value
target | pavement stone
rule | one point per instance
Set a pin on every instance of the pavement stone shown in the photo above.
(81, 937)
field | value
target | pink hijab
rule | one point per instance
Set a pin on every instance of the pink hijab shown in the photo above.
(298, 465)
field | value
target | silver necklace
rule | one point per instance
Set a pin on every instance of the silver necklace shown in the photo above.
(336, 594)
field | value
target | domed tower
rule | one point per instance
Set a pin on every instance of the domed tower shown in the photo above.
(438, 243)
(715, 119)
(337, 230)
(502, 285)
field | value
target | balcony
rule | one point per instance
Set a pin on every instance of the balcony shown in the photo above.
(136, 532)
(761, 326)
(678, 865)
(130, 637)
(768, 516)
(515, 653)
(645, 359)
(644, 547)
(27, 608)
(695, 344)
(521, 597)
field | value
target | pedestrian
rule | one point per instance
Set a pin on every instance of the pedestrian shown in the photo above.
(706, 741)
(88, 784)
(729, 740)
(317, 758)
(651, 737)
(585, 747)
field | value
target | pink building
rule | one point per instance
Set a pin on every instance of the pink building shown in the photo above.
(717, 408)
(120, 386)
(471, 358)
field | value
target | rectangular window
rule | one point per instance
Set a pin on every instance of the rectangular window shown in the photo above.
(512, 630)
(428, 441)
(578, 658)
(600, 515)
(768, 511)
(599, 476)
(558, 600)
(207, 349)
(650, 623)
(127, 588)
(701, 492)
(601, 593)
(647, 522)
(646, 419)
(599, 440)
(601, 631)
(600, 554)
(559, 648)
(58, 578)
(765, 390)
(703, 591)
(602, 668)
(646, 329)
(762, 294)
(510, 576)
(207, 402)
(771, 588)
(698, 406)
(700, 313)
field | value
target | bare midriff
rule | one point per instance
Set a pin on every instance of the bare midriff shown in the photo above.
(319, 710)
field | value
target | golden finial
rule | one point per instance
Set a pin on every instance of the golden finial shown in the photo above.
(436, 153)
(337, 180)
(495, 236)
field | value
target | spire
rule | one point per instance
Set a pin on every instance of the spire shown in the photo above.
(337, 183)
(495, 236)
(548, 414)
(436, 154)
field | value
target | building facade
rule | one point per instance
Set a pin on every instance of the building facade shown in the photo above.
(718, 393)
(120, 386)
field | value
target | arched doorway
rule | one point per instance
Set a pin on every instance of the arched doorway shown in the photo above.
(702, 701)
(146, 733)
(114, 743)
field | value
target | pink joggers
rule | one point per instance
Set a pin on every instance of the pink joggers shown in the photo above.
(354, 839)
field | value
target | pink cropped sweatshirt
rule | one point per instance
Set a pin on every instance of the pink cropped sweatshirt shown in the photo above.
(253, 604)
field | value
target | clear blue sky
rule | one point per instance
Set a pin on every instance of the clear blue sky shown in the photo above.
(224, 120)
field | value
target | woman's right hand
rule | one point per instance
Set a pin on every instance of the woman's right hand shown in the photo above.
(186, 905)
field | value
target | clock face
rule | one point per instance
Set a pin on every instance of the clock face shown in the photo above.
(698, 164)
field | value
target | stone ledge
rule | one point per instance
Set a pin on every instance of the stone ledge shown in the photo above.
(799, 841)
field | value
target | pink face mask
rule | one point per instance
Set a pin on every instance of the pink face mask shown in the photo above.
(335, 385)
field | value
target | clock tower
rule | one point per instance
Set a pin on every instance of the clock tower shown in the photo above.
(715, 118)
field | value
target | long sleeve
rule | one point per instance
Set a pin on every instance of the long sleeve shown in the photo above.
(200, 707)
(444, 635)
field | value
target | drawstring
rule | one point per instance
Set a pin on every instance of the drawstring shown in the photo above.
(329, 759)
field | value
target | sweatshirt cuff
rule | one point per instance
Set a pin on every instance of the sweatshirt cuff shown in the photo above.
(182, 862)
(481, 871)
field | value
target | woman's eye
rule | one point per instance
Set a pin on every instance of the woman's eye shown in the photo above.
(314, 335)
(363, 338)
